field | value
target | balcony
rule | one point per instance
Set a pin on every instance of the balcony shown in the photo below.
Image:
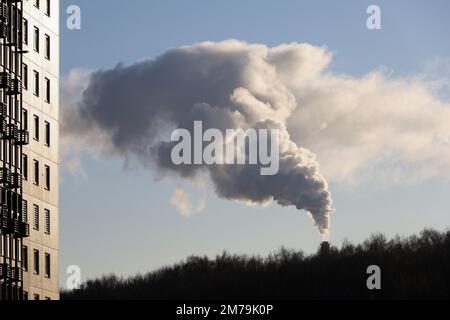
(5, 176)
(5, 271)
(3, 30)
(3, 124)
(5, 79)
(16, 274)
(4, 13)
(4, 217)
(15, 87)
(14, 227)
(16, 181)
(4, 211)
(11, 132)
(3, 110)
(23, 138)
(24, 230)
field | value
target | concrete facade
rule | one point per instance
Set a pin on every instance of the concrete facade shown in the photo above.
(41, 24)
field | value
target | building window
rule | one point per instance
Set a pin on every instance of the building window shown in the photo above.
(36, 172)
(47, 265)
(25, 76)
(47, 221)
(25, 211)
(48, 8)
(36, 39)
(36, 262)
(25, 31)
(25, 119)
(47, 177)
(36, 83)
(36, 217)
(47, 90)
(25, 166)
(36, 127)
(25, 258)
(47, 47)
(47, 134)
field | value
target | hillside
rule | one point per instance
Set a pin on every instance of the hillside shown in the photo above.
(412, 268)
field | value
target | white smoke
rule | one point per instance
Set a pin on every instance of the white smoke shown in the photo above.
(181, 201)
(226, 85)
(372, 127)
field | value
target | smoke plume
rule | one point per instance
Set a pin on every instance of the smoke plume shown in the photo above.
(130, 111)
(375, 128)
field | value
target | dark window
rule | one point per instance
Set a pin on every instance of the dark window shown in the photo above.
(36, 3)
(36, 39)
(25, 119)
(47, 47)
(25, 76)
(47, 90)
(47, 134)
(36, 127)
(36, 172)
(48, 8)
(25, 31)
(47, 265)
(47, 177)
(25, 258)
(36, 83)
(36, 262)
(25, 166)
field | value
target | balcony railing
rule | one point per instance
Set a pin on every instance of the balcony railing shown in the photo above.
(15, 87)
(3, 125)
(5, 176)
(24, 230)
(11, 132)
(4, 217)
(5, 79)
(5, 271)
(13, 226)
(3, 109)
(4, 13)
(14, 274)
(3, 30)
(23, 137)
(16, 181)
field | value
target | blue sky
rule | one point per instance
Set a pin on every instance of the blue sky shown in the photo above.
(119, 219)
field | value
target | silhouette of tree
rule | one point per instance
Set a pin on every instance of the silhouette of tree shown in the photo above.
(412, 268)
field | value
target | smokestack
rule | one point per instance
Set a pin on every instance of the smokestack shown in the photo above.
(324, 248)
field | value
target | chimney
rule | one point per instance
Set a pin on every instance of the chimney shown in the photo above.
(324, 248)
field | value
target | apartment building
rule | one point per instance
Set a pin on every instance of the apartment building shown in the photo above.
(29, 180)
